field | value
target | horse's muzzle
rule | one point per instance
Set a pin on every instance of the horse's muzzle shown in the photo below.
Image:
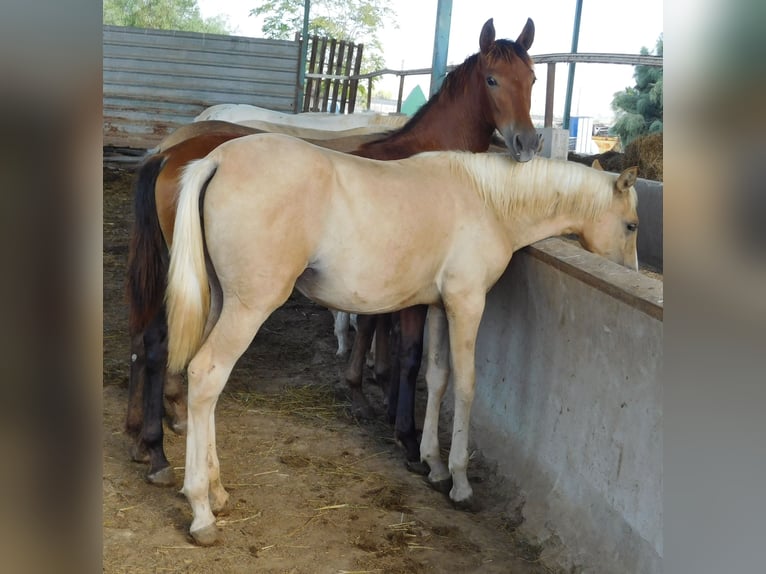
(523, 145)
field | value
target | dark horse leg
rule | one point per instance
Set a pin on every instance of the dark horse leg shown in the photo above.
(402, 393)
(156, 349)
(382, 352)
(365, 327)
(135, 418)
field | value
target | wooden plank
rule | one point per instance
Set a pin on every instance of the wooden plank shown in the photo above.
(344, 84)
(354, 84)
(311, 67)
(326, 83)
(338, 71)
(318, 86)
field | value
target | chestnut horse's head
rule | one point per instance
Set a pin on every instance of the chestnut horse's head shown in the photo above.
(508, 74)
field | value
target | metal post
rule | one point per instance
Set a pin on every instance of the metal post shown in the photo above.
(304, 52)
(549, 87)
(570, 80)
(441, 45)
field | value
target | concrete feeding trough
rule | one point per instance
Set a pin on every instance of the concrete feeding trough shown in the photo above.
(568, 398)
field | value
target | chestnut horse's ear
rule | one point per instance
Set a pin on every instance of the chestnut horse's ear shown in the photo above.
(527, 35)
(627, 179)
(597, 165)
(487, 36)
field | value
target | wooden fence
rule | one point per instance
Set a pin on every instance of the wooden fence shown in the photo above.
(331, 65)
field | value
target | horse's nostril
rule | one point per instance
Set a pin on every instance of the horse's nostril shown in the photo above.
(517, 144)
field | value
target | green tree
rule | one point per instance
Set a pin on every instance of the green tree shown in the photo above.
(638, 109)
(356, 21)
(163, 15)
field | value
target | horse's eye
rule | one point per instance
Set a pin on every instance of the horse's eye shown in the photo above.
(491, 81)
(632, 226)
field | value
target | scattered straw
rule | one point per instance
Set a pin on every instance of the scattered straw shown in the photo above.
(129, 507)
(225, 522)
(402, 526)
(332, 507)
(313, 402)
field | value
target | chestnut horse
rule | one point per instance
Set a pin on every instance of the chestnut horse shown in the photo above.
(489, 90)
(279, 213)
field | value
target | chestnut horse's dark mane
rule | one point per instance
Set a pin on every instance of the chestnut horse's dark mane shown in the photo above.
(458, 78)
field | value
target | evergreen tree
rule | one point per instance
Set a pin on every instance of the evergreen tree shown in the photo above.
(639, 109)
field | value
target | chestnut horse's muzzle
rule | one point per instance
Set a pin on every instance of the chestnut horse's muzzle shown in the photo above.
(523, 145)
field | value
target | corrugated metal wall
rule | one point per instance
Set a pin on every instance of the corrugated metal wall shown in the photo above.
(157, 80)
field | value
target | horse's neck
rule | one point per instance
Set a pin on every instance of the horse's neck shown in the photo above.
(447, 124)
(528, 225)
(526, 231)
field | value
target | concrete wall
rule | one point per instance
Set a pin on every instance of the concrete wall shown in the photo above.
(568, 405)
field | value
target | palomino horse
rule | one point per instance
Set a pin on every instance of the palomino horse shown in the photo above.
(446, 226)
(490, 90)
(150, 390)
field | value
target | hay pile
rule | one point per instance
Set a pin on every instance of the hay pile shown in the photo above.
(645, 152)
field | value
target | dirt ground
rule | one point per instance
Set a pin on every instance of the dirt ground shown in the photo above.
(312, 489)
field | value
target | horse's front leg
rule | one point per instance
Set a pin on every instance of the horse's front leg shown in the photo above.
(355, 368)
(437, 376)
(465, 317)
(412, 322)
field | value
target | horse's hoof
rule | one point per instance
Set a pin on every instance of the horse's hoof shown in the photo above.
(206, 536)
(362, 410)
(163, 477)
(417, 467)
(467, 505)
(219, 506)
(443, 486)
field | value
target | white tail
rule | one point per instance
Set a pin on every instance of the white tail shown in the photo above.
(188, 293)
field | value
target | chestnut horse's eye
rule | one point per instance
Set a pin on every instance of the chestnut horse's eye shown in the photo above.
(632, 226)
(491, 81)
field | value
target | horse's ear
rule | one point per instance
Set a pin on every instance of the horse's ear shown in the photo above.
(487, 36)
(627, 178)
(527, 35)
(597, 165)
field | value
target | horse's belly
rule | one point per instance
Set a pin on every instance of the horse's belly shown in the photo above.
(363, 296)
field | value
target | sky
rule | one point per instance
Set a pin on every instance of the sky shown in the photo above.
(606, 26)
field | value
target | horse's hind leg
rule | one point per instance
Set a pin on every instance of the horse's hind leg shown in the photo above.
(382, 351)
(156, 340)
(412, 322)
(135, 416)
(208, 372)
(365, 327)
(341, 327)
(175, 402)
